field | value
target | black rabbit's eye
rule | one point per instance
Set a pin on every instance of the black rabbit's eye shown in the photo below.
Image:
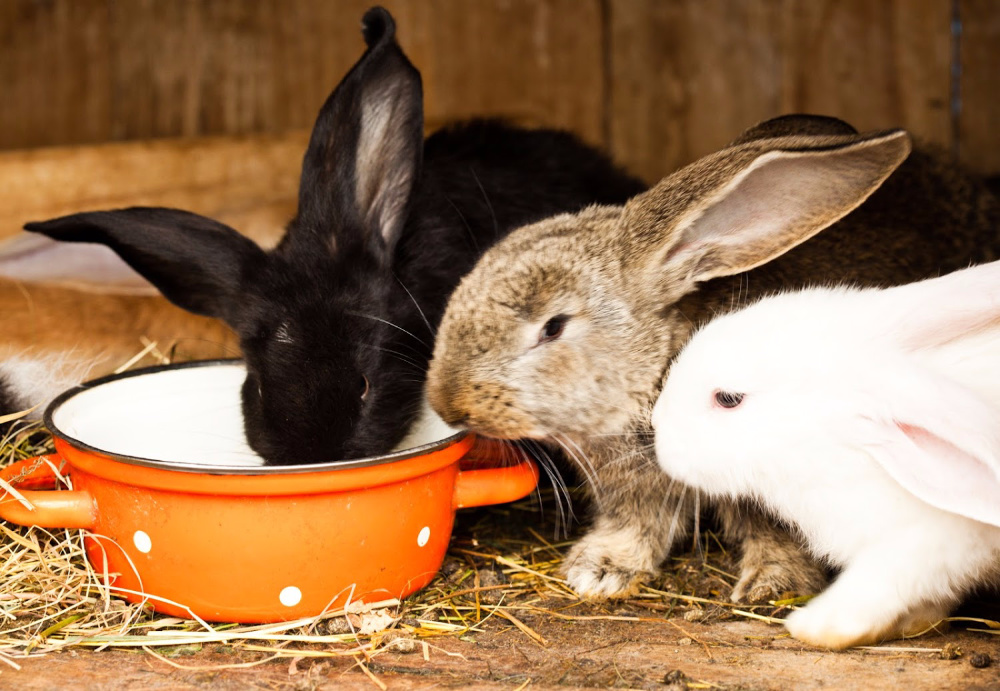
(553, 328)
(282, 335)
(728, 399)
(364, 393)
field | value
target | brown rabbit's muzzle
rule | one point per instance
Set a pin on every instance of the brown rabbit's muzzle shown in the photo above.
(443, 401)
(485, 407)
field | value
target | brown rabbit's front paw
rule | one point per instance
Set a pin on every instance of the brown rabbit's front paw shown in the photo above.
(782, 569)
(607, 564)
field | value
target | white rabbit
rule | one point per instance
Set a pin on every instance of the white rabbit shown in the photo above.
(869, 419)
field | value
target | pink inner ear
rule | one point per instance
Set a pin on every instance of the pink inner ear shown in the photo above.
(87, 267)
(941, 474)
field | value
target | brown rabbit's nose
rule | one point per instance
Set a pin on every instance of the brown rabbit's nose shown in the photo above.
(442, 395)
(456, 418)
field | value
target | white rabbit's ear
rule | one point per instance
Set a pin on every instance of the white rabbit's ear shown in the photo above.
(90, 268)
(744, 206)
(936, 311)
(939, 441)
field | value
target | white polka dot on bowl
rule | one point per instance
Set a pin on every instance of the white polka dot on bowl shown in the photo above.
(290, 596)
(424, 536)
(142, 541)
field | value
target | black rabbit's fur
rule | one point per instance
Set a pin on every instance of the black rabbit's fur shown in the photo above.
(350, 300)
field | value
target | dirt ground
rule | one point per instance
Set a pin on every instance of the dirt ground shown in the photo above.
(648, 642)
(649, 654)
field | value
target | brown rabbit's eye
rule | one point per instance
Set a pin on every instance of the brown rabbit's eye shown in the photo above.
(553, 328)
(728, 399)
(364, 393)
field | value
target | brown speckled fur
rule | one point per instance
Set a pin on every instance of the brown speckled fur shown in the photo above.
(635, 291)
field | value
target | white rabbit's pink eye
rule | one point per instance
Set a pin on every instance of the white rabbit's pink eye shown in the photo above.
(553, 328)
(364, 394)
(728, 399)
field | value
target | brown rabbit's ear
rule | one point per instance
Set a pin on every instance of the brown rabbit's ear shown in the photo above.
(744, 206)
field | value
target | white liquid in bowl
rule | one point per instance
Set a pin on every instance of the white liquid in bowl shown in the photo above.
(185, 416)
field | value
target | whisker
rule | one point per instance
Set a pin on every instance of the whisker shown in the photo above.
(583, 462)
(418, 364)
(465, 222)
(561, 495)
(675, 519)
(227, 349)
(417, 305)
(496, 225)
(697, 526)
(389, 323)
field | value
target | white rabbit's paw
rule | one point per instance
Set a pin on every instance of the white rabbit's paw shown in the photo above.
(600, 566)
(833, 624)
(781, 572)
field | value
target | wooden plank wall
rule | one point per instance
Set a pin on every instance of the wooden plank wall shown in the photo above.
(658, 82)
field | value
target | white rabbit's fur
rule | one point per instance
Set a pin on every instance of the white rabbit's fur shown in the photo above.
(870, 420)
(36, 378)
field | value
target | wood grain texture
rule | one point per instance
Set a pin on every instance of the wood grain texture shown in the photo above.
(687, 76)
(979, 85)
(537, 62)
(83, 71)
(660, 82)
(55, 71)
(248, 182)
(876, 64)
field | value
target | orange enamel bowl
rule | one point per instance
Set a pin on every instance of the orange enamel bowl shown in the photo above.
(229, 542)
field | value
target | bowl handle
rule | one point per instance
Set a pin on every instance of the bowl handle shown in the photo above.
(481, 486)
(50, 509)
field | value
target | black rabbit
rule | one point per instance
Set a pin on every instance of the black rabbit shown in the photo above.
(337, 323)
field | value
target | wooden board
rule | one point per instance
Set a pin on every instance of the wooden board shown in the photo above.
(55, 71)
(83, 71)
(538, 62)
(659, 83)
(249, 182)
(688, 76)
(978, 128)
(875, 64)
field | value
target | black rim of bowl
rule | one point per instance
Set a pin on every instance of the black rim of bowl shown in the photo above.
(393, 457)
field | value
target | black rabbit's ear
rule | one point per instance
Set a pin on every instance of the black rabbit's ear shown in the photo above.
(795, 124)
(366, 148)
(197, 263)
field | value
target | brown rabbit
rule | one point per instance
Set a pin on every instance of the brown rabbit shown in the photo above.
(565, 330)
(73, 315)
(55, 337)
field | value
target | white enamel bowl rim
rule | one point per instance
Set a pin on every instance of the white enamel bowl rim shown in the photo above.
(205, 468)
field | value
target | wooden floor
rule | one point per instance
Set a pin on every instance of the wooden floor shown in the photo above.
(601, 653)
